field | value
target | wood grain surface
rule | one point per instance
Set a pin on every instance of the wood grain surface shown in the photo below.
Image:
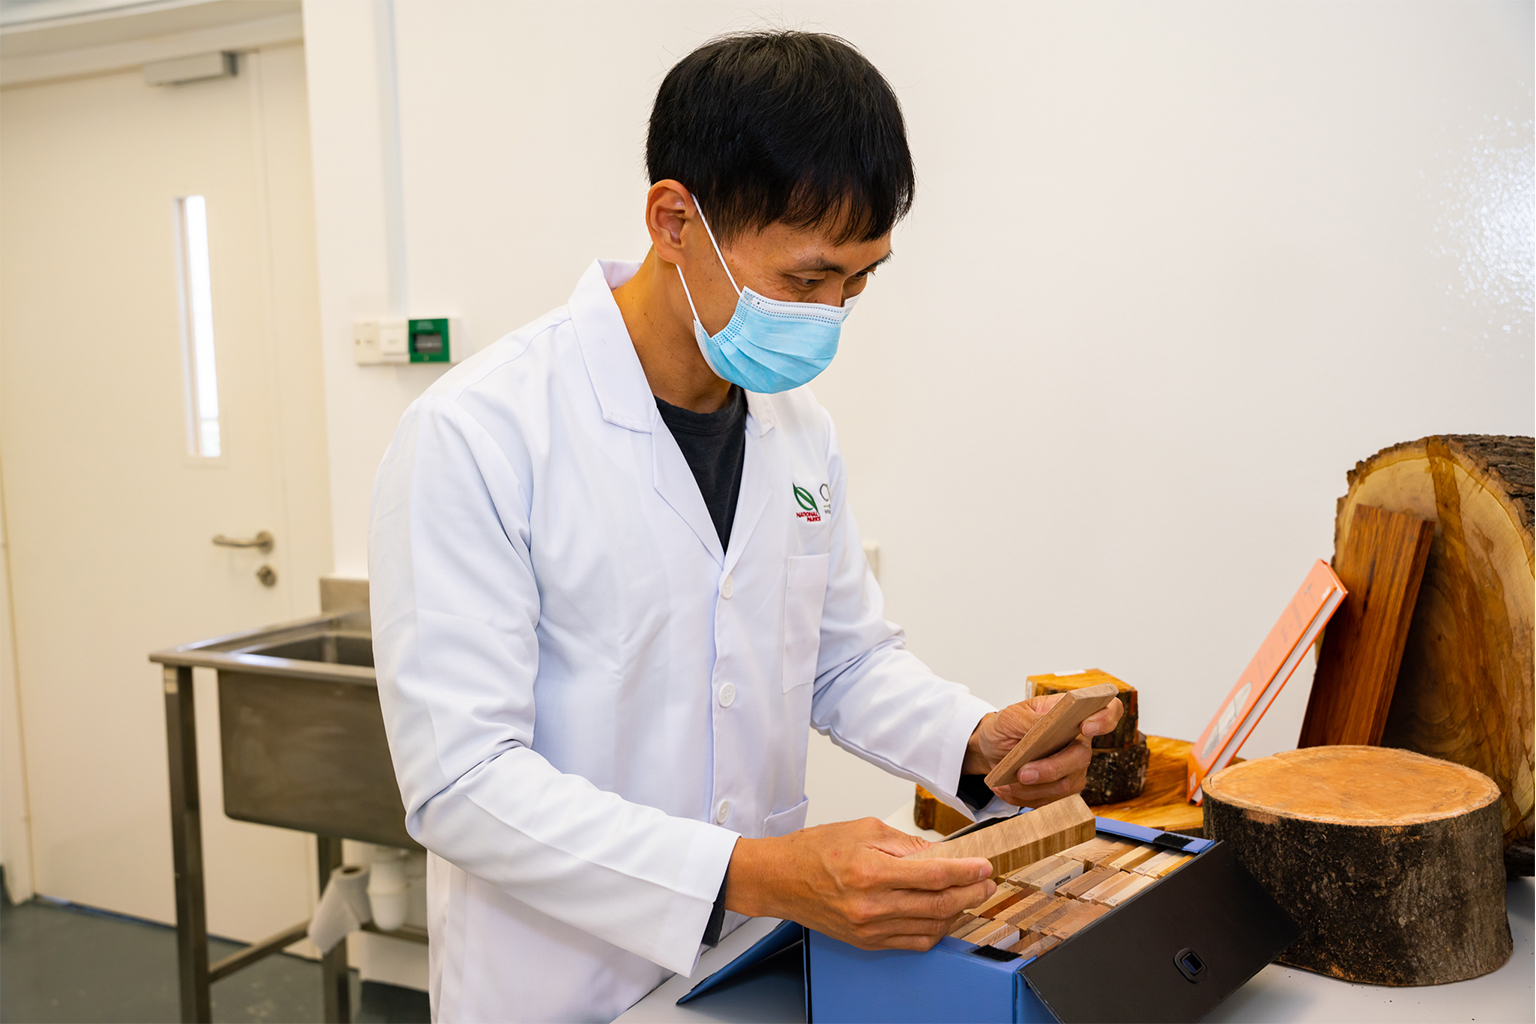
(1053, 730)
(1162, 803)
(1465, 686)
(1022, 839)
(1381, 564)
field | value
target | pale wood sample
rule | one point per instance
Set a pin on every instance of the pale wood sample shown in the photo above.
(1124, 733)
(1003, 939)
(1465, 684)
(1043, 866)
(1022, 839)
(966, 922)
(1391, 862)
(1126, 891)
(1381, 564)
(1049, 907)
(1172, 866)
(1104, 889)
(1054, 730)
(1155, 864)
(994, 929)
(1088, 880)
(1128, 861)
(1048, 883)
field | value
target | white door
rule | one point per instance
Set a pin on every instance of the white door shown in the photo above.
(111, 498)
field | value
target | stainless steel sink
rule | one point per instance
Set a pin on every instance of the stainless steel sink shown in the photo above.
(302, 734)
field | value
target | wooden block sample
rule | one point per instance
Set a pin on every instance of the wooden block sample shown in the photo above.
(1088, 880)
(1025, 907)
(1040, 867)
(1381, 563)
(1172, 866)
(1005, 895)
(993, 930)
(1128, 861)
(1023, 838)
(1002, 939)
(1105, 889)
(929, 812)
(1055, 729)
(1391, 862)
(1116, 774)
(966, 922)
(1080, 917)
(1466, 688)
(1124, 733)
(1126, 891)
(1156, 863)
(1034, 945)
(1047, 908)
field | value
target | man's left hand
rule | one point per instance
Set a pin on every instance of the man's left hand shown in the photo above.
(1048, 779)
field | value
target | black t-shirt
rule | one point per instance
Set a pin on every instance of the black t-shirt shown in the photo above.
(714, 443)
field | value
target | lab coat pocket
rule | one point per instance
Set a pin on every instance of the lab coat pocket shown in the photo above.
(785, 822)
(804, 593)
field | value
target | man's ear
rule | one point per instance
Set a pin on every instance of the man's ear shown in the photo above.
(668, 209)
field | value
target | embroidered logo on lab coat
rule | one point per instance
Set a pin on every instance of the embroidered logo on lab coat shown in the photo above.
(807, 503)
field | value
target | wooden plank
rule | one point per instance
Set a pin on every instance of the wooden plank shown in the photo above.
(1128, 861)
(1055, 729)
(1126, 891)
(1022, 839)
(1104, 889)
(1381, 563)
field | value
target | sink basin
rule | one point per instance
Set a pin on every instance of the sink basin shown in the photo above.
(301, 733)
(326, 648)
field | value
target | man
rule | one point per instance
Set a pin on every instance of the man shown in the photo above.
(616, 578)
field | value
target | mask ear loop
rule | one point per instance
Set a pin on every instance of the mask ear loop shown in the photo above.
(686, 293)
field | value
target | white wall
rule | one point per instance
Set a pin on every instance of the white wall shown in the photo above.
(1172, 270)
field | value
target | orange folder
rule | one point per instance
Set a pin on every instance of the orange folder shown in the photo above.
(1256, 689)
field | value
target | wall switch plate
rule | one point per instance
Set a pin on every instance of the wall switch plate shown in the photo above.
(396, 341)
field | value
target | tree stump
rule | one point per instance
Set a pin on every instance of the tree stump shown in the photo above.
(1390, 862)
(1465, 689)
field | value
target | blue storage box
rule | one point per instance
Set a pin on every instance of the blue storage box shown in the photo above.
(1172, 952)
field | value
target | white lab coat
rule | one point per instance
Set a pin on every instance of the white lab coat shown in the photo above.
(587, 700)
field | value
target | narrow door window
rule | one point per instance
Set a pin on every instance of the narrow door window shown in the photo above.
(202, 380)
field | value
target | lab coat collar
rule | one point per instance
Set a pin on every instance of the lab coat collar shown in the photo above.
(617, 377)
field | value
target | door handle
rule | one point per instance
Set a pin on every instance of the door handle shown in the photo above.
(262, 541)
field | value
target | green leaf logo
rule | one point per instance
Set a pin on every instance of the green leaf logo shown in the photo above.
(803, 497)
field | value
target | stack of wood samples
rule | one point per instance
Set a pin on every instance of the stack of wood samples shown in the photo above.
(1042, 904)
(1119, 766)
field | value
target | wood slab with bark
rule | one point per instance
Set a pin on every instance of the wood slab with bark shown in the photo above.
(1465, 689)
(1390, 862)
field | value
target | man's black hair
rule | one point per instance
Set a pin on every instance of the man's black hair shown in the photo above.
(795, 127)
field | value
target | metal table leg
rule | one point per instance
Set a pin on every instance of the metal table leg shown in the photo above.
(334, 978)
(187, 847)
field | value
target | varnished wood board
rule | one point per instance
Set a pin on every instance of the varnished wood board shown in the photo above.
(1022, 839)
(1055, 729)
(1381, 563)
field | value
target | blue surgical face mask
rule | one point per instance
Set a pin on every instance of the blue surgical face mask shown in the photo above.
(770, 345)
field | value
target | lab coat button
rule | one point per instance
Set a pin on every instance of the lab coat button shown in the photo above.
(727, 588)
(727, 695)
(722, 812)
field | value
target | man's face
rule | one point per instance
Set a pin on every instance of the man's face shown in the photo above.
(783, 262)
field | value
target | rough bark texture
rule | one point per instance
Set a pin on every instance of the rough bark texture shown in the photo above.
(1117, 773)
(1415, 900)
(1465, 689)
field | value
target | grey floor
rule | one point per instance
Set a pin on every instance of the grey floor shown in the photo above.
(59, 962)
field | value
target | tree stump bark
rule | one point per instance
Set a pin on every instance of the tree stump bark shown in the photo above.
(1465, 689)
(1117, 773)
(1391, 863)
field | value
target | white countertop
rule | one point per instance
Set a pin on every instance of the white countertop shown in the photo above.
(1277, 993)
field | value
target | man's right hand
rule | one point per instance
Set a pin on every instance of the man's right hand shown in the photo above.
(848, 880)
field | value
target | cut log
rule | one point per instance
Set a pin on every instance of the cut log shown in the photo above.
(1465, 688)
(1381, 565)
(1390, 862)
(1117, 773)
(1124, 734)
(1162, 804)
